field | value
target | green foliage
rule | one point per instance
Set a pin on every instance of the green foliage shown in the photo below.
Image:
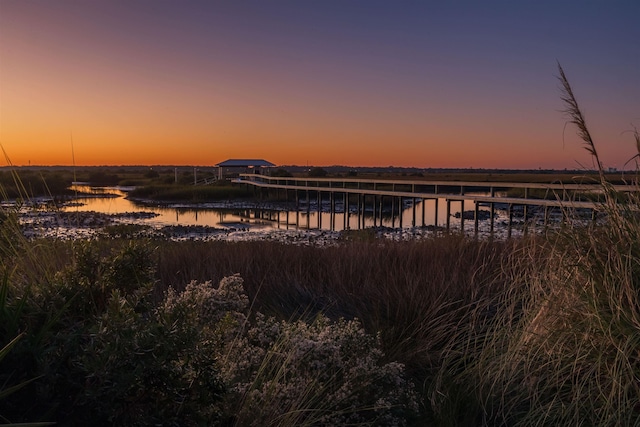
(191, 193)
(321, 373)
(57, 315)
(144, 367)
(26, 183)
(125, 231)
(317, 173)
(280, 172)
(364, 234)
(151, 173)
(101, 178)
(11, 238)
(131, 269)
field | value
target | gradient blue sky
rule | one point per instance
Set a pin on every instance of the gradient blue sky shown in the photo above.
(361, 83)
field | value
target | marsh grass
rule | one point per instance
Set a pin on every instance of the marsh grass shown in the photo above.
(191, 193)
(562, 345)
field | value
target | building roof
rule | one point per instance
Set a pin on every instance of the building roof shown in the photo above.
(245, 163)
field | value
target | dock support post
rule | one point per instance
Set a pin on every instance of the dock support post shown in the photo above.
(346, 211)
(308, 210)
(525, 210)
(413, 203)
(424, 202)
(319, 210)
(332, 212)
(462, 210)
(492, 215)
(297, 209)
(375, 198)
(545, 221)
(475, 219)
(393, 218)
(448, 214)
(510, 209)
(492, 218)
(435, 214)
(400, 212)
(358, 209)
(364, 210)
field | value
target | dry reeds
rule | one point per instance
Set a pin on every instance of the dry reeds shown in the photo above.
(562, 348)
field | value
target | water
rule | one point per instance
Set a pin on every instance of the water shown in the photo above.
(112, 200)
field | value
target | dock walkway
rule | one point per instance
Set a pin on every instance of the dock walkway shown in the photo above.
(492, 194)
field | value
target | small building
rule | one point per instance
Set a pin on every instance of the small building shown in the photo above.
(233, 167)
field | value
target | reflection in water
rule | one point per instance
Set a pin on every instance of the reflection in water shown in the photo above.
(111, 200)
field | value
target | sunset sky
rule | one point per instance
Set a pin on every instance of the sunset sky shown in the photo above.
(360, 83)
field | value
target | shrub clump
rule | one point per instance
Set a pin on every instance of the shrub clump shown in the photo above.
(318, 373)
(294, 373)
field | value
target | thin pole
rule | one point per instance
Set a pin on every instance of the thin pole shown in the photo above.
(346, 211)
(435, 214)
(448, 214)
(510, 220)
(413, 224)
(393, 218)
(374, 209)
(475, 219)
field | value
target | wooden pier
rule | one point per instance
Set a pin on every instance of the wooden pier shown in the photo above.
(355, 194)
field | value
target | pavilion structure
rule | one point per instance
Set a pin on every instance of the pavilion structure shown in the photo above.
(232, 168)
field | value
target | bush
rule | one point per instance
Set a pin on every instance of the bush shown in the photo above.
(317, 173)
(321, 373)
(151, 367)
(280, 172)
(293, 373)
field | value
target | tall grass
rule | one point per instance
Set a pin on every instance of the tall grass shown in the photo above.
(191, 193)
(405, 290)
(562, 345)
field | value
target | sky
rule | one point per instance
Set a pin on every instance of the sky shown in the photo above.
(440, 84)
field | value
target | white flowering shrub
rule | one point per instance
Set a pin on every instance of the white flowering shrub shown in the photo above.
(292, 373)
(319, 373)
(202, 302)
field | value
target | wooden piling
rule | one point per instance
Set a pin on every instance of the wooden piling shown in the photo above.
(393, 218)
(492, 213)
(475, 219)
(448, 214)
(374, 210)
(346, 211)
(319, 210)
(435, 216)
(413, 202)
